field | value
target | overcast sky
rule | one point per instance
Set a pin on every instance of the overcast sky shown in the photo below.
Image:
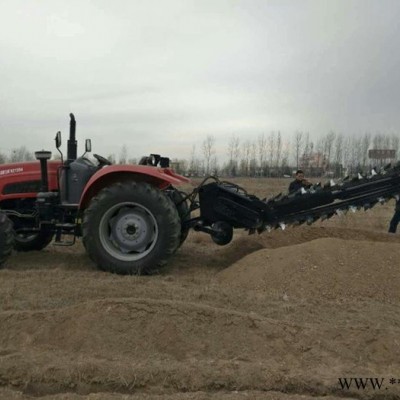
(159, 76)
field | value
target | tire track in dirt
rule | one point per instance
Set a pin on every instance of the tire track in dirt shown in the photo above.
(198, 395)
(131, 344)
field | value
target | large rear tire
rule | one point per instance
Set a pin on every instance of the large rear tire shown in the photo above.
(6, 238)
(31, 242)
(184, 212)
(131, 228)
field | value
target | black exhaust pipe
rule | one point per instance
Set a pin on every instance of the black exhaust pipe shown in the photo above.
(72, 144)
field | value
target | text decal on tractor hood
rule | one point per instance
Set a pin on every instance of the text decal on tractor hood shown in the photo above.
(11, 171)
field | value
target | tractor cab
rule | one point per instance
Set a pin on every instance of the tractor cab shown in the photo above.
(75, 172)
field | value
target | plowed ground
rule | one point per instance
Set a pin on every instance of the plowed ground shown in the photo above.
(280, 316)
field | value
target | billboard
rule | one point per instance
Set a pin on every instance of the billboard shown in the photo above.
(383, 154)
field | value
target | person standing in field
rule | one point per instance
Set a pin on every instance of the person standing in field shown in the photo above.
(396, 218)
(299, 182)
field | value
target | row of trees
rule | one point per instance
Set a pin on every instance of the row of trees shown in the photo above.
(16, 155)
(271, 155)
(268, 155)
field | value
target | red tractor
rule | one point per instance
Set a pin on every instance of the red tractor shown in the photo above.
(132, 218)
(129, 216)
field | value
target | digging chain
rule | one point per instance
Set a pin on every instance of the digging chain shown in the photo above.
(334, 198)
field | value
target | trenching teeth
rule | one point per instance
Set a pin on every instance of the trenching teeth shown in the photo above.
(309, 220)
(373, 172)
(366, 206)
(268, 228)
(282, 225)
(332, 182)
(324, 217)
(397, 197)
(381, 200)
(303, 191)
(339, 212)
(360, 176)
(353, 209)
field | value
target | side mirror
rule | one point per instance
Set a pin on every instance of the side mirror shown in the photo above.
(58, 140)
(88, 146)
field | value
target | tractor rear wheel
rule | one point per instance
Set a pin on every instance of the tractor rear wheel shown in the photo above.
(6, 238)
(32, 241)
(131, 228)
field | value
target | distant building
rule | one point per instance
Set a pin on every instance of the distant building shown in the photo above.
(314, 163)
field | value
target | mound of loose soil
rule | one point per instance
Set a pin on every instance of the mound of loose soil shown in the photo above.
(327, 268)
(303, 234)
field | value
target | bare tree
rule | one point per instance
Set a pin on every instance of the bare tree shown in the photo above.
(278, 149)
(320, 147)
(386, 141)
(214, 167)
(262, 149)
(285, 157)
(123, 154)
(365, 143)
(111, 157)
(208, 151)
(233, 154)
(21, 154)
(3, 158)
(329, 140)
(253, 159)
(355, 154)
(347, 154)
(378, 141)
(298, 142)
(245, 160)
(194, 164)
(271, 147)
(338, 157)
(306, 151)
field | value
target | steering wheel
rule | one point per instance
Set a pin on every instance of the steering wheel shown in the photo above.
(102, 160)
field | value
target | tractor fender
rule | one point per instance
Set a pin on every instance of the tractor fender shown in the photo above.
(159, 177)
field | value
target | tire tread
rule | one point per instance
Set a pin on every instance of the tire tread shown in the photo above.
(98, 205)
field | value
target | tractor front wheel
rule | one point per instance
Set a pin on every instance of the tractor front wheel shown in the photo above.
(6, 238)
(131, 228)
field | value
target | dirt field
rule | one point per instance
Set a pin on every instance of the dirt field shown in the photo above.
(279, 316)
